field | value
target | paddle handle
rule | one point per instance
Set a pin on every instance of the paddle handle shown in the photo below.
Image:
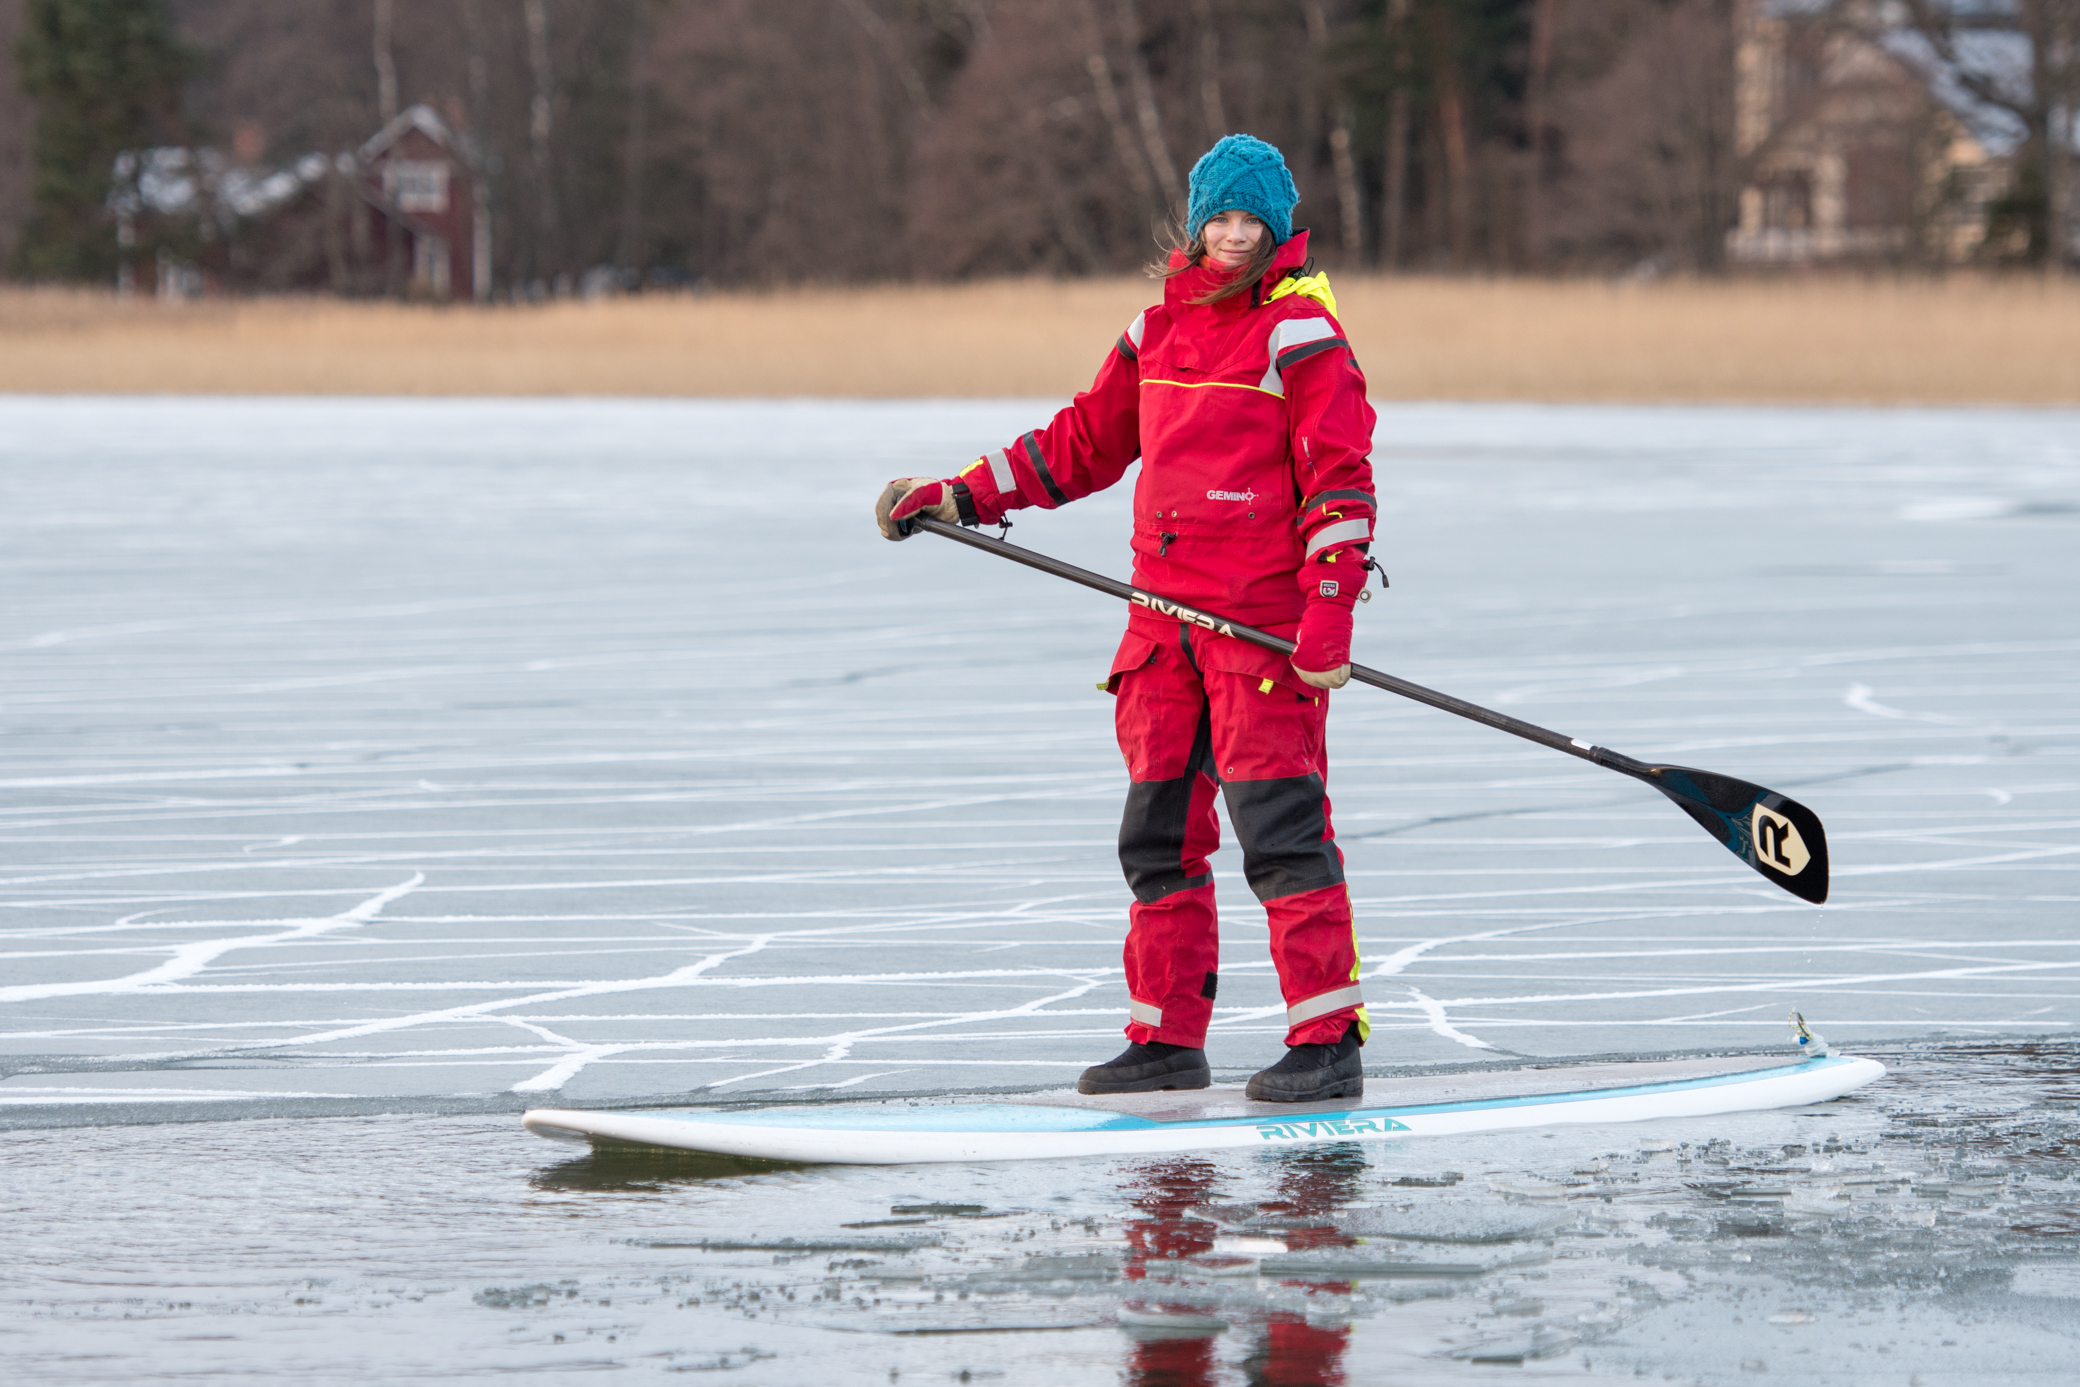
(1364, 674)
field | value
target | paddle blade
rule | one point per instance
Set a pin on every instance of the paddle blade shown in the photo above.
(1778, 837)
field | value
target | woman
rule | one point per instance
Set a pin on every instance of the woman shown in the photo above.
(1255, 502)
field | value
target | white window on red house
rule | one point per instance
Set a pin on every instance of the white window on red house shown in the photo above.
(417, 185)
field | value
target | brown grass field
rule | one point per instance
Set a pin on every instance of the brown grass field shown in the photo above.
(1829, 340)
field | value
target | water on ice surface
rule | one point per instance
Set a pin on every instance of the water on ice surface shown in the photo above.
(456, 757)
(1925, 1233)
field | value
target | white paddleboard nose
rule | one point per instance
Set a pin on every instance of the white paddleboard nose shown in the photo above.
(555, 1124)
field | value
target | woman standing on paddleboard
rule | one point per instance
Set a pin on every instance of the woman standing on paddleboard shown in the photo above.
(1241, 398)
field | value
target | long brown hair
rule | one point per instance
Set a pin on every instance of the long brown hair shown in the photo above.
(1233, 282)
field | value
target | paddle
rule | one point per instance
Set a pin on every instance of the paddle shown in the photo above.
(1778, 837)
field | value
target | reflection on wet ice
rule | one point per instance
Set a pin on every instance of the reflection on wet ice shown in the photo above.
(613, 1168)
(1186, 1299)
(1930, 1223)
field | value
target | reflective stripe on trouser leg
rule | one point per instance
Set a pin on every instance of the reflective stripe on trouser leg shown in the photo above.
(1290, 857)
(1169, 828)
(1323, 1004)
(1316, 950)
(1171, 947)
(1173, 940)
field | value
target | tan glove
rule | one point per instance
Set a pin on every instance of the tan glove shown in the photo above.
(1325, 679)
(939, 506)
(1324, 639)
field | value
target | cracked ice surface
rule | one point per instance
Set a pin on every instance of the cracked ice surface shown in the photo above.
(1921, 1232)
(465, 755)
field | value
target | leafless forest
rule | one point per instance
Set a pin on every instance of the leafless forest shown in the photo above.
(761, 141)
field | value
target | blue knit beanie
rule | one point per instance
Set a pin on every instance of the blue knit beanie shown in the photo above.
(1244, 173)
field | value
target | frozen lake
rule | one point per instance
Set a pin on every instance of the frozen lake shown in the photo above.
(449, 758)
(456, 751)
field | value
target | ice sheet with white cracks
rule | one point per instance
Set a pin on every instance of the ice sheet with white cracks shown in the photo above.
(1923, 1235)
(457, 755)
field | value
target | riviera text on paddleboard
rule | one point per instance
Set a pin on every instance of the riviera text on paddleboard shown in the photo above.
(1328, 1126)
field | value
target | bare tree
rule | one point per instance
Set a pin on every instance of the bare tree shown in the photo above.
(386, 62)
(1538, 76)
(386, 111)
(1151, 120)
(1457, 203)
(1021, 172)
(1652, 171)
(1351, 222)
(779, 140)
(636, 154)
(1210, 71)
(481, 173)
(2042, 95)
(1393, 207)
(892, 48)
(541, 128)
(1100, 69)
(17, 119)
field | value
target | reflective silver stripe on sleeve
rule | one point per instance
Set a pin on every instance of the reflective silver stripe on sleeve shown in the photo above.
(1342, 532)
(1287, 335)
(1145, 1014)
(1000, 472)
(1352, 996)
(1130, 340)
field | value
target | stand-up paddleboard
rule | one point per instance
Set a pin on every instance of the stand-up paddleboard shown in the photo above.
(1053, 1126)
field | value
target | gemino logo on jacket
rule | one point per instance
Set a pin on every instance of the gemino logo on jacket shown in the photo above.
(1231, 495)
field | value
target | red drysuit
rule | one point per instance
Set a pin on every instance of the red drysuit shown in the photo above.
(1254, 503)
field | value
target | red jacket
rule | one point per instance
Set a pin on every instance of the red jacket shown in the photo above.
(1255, 497)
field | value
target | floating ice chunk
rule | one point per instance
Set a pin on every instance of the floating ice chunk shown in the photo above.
(1222, 1264)
(1454, 1223)
(1530, 1187)
(1175, 1318)
(1351, 1263)
(1088, 1266)
(1543, 1342)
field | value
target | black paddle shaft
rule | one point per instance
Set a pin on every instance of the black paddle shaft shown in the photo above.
(1778, 837)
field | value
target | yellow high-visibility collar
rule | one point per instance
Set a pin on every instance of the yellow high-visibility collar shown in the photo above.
(1315, 286)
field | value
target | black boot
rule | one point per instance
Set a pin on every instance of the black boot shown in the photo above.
(1310, 1073)
(1146, 1068)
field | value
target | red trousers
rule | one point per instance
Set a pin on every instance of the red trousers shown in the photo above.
(1188, 732)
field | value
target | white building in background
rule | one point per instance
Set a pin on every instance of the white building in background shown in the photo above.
(1854, 153)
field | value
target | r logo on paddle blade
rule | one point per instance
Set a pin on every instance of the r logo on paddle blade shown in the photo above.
(1777, 844)
(1777, 836)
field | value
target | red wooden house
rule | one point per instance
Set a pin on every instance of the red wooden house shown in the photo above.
(422, 206)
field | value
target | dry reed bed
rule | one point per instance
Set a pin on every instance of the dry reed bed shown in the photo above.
(1797, 341)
